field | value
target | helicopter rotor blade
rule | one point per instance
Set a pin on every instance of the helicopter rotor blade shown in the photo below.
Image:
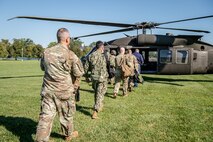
(189, 30)
(183, 20)
(108, 32)
(76, 21)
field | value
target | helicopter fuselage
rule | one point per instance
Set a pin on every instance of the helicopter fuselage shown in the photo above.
(168, 54)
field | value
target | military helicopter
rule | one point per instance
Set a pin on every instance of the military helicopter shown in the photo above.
(163, 54)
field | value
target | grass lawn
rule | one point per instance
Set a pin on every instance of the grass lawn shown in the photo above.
(165, 108)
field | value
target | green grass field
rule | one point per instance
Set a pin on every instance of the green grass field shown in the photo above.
(165, 108)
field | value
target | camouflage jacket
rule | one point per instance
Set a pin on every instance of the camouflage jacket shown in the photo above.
(119, 60)
(59, 64)
(112, 60)
(97, 63)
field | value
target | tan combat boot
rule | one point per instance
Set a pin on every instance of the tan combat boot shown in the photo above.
(115, 95)
(95, 115)
(73, 135)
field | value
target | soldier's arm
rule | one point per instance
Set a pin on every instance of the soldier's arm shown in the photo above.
(76, 82)
(76, 71)
(77, 67)
(135, 63)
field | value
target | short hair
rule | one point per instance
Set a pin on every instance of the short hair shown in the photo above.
(137, 50)
(62, 34)
(99, 44)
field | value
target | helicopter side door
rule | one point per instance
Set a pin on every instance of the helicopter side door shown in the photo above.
(200, 61)
(174, 60)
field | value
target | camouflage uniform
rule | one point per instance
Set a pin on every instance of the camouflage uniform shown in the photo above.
(134, 66)
(57, 96)
(118, 74)
(97, 64)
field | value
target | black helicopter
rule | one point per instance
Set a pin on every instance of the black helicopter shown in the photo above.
(163, 54)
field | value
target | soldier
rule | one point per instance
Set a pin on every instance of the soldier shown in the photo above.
(112, 67)
(98, 66)
(119, 60)
(134, 67)
(57, 92)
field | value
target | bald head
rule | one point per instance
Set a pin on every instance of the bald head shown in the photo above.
(122, 50)
(137, 50)
(63, 36)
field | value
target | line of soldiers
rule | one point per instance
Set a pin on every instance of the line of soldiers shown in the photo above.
(117, 72)
(61, 82)
(105, 67)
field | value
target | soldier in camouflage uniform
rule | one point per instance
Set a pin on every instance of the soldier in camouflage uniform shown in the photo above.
(134, 66)
(112, 66)
(57, 92)
(118, 73)
(97, 64)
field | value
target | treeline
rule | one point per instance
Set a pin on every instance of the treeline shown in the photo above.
(30, 49)
(19, 46)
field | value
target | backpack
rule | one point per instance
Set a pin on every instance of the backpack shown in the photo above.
(126, 70)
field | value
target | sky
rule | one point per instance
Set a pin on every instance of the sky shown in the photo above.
(124, 11)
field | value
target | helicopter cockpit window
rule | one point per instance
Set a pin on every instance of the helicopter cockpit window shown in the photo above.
(165, 56)
(182, 57)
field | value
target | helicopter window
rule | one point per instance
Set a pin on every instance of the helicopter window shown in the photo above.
(153, 56)
(182, 57)
(202, 48)
(165, 56)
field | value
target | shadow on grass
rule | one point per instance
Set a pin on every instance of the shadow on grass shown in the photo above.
(56, 135)
(166, 81)
(10, 77)
(146, 78)
(109, 95)
(84, 109)
(87, 90)
(20, 126)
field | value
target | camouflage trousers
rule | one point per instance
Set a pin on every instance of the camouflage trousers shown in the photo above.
(100, 89)
(50, 105)
(118, 79)
(131, 82)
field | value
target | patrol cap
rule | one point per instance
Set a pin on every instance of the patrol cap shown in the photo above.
(113, 52)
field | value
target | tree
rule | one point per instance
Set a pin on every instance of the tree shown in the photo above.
(30, 49)
(51, 44)
(3, 51)
(4, 45)
(38, 51)
(86, 50)
(75, 47)
(93, 44)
